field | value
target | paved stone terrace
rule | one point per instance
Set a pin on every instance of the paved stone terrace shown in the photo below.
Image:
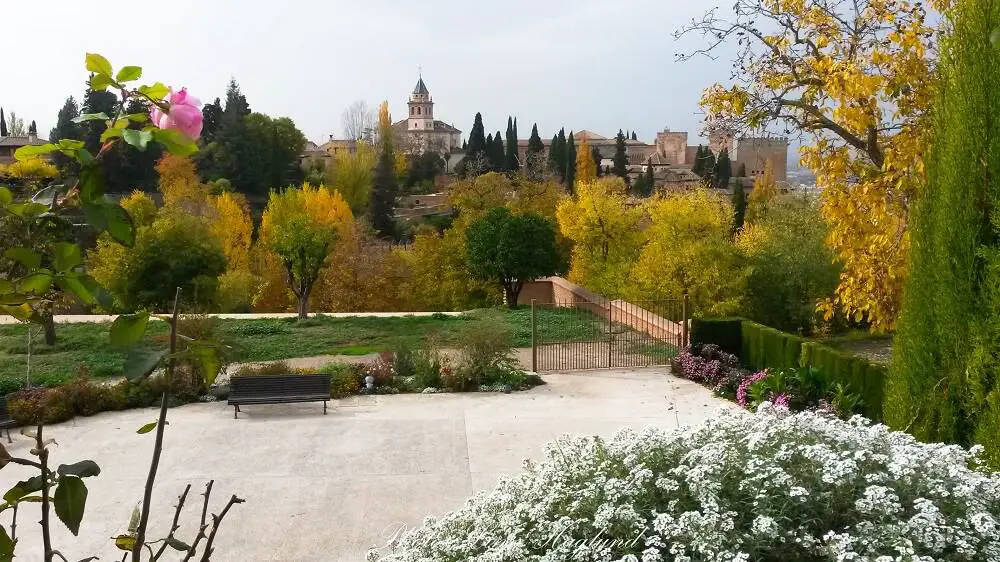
(325, 488)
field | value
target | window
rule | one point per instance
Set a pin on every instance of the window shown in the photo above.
(418, 111)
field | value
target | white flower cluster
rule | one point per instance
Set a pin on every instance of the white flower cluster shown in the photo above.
(769, 486)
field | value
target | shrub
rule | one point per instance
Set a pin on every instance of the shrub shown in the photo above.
(263, 369)
(768, 487)
(345, 380)
(427, 365)
(486, 354)
(723, 332)
(40, 405)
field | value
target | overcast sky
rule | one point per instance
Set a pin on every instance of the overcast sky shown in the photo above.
(583, 64)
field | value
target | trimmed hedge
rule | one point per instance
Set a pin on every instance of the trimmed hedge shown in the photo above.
(761, 347)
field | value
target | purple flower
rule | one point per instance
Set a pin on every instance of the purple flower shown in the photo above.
(741, 392)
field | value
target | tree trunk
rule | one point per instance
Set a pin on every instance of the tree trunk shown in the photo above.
(304, 306)
(511, 291)
(49, 322)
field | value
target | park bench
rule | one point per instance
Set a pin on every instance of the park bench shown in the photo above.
(5, 421)
(278, 389)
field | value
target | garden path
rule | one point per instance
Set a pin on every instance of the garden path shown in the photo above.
(325, 488)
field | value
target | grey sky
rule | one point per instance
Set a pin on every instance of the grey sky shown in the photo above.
(585, 64)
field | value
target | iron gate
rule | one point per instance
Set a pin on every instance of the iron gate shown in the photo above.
(605, 334)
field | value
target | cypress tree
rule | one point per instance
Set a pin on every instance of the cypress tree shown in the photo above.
(66, 129)
(619, 165)
(570, 162)
(510, 160)
(32, 128)
(383, 196)
(595, 153)
(477, 138)
(650, 180)
(698, 167)
(708, 165)
(739, 201)
(943, 383)
(535, 144)
(3, 124)
(723, 170)
(211, 120)
(495, 150)
(553, 160)
(465, 145)
(634, 137)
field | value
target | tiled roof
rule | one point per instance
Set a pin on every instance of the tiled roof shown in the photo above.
(20, 141)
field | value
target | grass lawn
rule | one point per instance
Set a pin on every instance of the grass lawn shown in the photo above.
(87, 344)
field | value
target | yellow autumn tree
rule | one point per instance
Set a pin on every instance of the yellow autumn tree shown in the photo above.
(607, 235)
(300, 228)
(690, 250)
(586, 168)
(363, 274)
(351, 175)
(858, 79)
(439, 276)
(474, 197)
(765, 190)
(181, 187)
(231, 225)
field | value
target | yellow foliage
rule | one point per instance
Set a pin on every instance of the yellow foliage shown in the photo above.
(586, 168)
(860, 83)
(181, 187)
(141, 207)
(351, 175)
(439, 275)
(385, 126)
(765, 190)
(475, 197)
(690, 250)
(322, 206)
(230, 223)
(31, 169)
(362, 275)
(607, 234)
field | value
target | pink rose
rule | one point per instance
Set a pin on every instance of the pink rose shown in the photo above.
(184, 114)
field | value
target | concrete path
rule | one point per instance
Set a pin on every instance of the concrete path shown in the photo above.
(325, 488)
(78, 318)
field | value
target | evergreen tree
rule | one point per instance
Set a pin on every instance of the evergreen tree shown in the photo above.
(739, 206)
(3, 124)
(570, 162)
(535, 144)
(619, 165)
(32, 128)
(595, 153)
(554, 156)
(477, 138)
(634, 137)
(383, 195)
(465, 145)
(236, 102)
(66, 129)
(723, 170)
(96, 102)
(211, 120)
(943, 383)
(698, 166)
(497, 154)
(708, 167)
(650, 180)
(510, 158)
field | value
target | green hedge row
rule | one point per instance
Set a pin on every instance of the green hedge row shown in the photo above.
(761, 347)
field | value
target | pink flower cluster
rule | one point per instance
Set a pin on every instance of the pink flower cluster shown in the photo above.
(742, 392)
(183, 114)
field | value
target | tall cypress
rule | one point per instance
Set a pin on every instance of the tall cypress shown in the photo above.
(498, 154)
(477, 138)
(561, 155)
(510, 158)
(535, 144)
(650, 183)
(620, 161)
(554, 156)
(32, 128)
(698, 166)
(943, 383)
(570, 162)
(739, 201)
(723, 170)
(383, 196)
(595, 153)
(708, 168)
(3, 124)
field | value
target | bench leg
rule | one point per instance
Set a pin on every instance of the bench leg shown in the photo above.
(236, 408)
(324, 407)
(9, 440)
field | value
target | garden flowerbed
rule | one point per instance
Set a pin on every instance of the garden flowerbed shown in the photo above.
(766, 486)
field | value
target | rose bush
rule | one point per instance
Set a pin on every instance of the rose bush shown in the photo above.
(769, 486)
(183, 115)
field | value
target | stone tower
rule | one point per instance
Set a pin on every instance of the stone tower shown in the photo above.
(421, 108)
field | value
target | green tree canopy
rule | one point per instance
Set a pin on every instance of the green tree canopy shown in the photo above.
(511, 249)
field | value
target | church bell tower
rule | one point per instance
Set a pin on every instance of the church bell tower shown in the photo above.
(421, 105)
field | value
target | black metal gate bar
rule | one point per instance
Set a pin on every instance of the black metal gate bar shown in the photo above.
(580, 334)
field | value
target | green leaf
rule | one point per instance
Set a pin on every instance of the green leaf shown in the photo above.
(6, 287)
(156, 91)
(128, 329)
(70, 501)
(71, 284)
(125, 542)
(66, 256)
(91, 184)
(27, 210)
(175, 142)
(6, 546)
(110, 134)
(178, 544)
(99, 82)
(6, 197)
(129, 73)
(84, 156)
(138, 117)
(22, 312)
(33, 151)
(97, 63)
(207, 356)
(81, 469)
(140, 362)
(113, 219)
(24, 256)
(149, 427)
(23, 488)
(138, 139)
(91, 117)
(37, 283)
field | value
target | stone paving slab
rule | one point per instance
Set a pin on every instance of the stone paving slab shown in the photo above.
(325, 488)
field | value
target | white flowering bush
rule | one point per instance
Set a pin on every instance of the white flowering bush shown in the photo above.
(764, 486)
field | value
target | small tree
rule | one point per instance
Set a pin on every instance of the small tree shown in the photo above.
(586, 168)
(511, 250)
(301, 227)
(620, 161)
(698, 166)
(723, 170)
(570, 174)
(739, 206)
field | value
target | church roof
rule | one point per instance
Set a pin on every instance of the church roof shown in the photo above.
(439, 127)
(420, 88)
